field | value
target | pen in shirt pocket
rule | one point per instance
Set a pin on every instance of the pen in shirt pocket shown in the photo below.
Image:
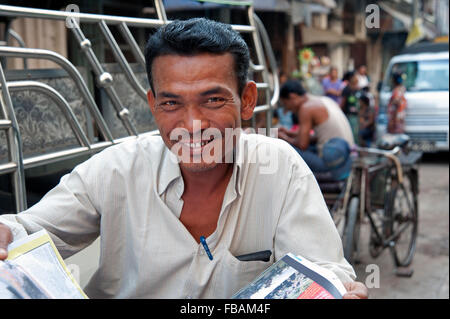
(205, 246)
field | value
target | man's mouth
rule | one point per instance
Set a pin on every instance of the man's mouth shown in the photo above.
(196, 147)
(198, 144)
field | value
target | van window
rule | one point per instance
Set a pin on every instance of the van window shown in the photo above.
(420, 76)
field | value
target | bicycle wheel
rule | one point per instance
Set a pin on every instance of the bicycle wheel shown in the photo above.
(351, 232)
(403, 214)
(382, 221)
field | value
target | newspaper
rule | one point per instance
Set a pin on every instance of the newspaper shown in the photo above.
(34, 269)
(293, 277)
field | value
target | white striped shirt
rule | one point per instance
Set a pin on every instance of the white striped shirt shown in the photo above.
(130, 194)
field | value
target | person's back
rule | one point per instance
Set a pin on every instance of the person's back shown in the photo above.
(334, 136)
(336, 125)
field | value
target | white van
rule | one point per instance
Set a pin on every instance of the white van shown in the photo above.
(425, 68)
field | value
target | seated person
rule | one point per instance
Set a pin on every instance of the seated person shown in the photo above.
(366, 121)
(151, 205)
(332, 130)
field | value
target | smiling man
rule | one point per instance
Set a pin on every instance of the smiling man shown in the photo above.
(154, 198)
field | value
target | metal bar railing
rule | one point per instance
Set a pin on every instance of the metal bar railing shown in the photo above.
(256, 67)
(94, 18)
(72, 71)
(271, 58)
(9, 168)
(59, 101)
(25, 12)
(19, 40)
(54, 157)
(137, 53)
(160, 11)
(261, 61)
(14, 145)
(5, 124)
(104, 78)
(122, 61)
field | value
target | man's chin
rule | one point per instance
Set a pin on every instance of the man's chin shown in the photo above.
(198, 167)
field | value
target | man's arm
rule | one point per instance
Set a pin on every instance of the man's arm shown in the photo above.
(328, 89)
(66, 213)
(303, 137)
(289, 133)
(333, 92)
(288, 136)
(306, 228)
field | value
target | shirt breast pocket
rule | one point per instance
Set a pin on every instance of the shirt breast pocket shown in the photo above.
(235, 274)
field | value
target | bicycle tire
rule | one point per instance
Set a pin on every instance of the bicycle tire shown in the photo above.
(381, 220)
(351, 232)
(399, 217)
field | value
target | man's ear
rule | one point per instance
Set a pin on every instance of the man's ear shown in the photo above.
(249, 98)
(151, 101)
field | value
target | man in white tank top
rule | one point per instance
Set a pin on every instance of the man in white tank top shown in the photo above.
(329, 148)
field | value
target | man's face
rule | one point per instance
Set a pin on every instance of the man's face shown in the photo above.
(362, 70)
(198, 96)
(354, 82)
(334, 74)
(292, 102)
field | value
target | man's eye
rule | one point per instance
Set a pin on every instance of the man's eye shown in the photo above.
(169, 105)
(215, 101)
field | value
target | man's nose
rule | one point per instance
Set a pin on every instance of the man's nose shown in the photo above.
(194, 120)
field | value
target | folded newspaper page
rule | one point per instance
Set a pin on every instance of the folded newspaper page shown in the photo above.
(34, 269)
(293, 277)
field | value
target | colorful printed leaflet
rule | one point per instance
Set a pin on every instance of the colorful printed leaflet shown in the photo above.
(293, 277)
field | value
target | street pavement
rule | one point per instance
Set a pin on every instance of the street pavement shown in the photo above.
(430, 279)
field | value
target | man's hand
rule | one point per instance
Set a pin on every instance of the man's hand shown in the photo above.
(355, 290)
(284, 136)
(5, 238)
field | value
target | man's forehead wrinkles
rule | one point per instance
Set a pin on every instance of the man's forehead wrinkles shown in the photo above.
(214, 90)
(193, 67)
(167, 94)
(177, 90)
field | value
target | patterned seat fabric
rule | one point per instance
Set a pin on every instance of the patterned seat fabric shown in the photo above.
(42, 124)
(140, 114)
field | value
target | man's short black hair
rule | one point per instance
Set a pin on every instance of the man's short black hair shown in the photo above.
(397, 77)
(348, 76)
(292, 86)
(365, 99)
(195, 36)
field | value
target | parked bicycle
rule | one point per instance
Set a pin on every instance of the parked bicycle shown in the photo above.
(382, 189)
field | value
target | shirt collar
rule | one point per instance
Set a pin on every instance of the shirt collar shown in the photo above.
(168, 171)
